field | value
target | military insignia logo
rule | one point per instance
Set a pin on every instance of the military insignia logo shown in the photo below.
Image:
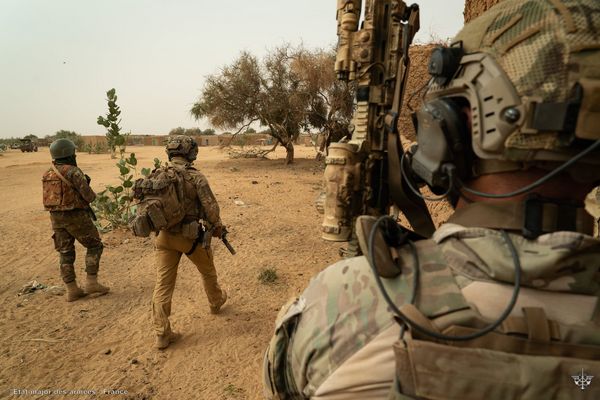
(582, 380)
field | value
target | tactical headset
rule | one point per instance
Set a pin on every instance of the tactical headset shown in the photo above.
(443, 156)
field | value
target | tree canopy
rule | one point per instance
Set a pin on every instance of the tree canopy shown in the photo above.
(71, 135)
(288, 91)
(191, 131)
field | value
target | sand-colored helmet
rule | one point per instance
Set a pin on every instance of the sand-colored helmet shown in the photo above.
(181, 145)
(530, 70)
(62, 148)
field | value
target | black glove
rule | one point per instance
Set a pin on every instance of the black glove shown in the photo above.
(218, 231)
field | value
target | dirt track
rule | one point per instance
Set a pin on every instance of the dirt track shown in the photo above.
(105, 343)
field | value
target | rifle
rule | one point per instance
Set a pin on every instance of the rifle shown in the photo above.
(207, 237)
(362, 175)
(90, 210)
(226, 242)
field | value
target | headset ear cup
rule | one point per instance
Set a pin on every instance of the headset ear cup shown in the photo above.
(458, 135)
(443, 141)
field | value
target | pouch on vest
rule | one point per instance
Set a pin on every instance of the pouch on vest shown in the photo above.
(141, 226)
(160, 199)
(52, 188)
(191, 230)
(496, 365)
(278, 379)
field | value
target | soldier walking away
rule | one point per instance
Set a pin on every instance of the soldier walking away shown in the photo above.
(502, 302)
(187, 237)
(67, 195)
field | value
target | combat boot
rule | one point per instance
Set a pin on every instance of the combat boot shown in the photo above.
(216, 308)
(163, 341)
(74, 292)
(92, 285)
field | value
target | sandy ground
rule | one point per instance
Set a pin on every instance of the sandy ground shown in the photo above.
(106, 343)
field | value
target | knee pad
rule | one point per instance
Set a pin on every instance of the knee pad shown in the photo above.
(67, 258)
(95, 251)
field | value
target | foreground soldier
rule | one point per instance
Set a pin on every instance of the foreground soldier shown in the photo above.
(199, 203)
(502, 302)
(67, 195)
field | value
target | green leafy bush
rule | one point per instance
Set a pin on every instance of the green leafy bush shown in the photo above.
(114, 206)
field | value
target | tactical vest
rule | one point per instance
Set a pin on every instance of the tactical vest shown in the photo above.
(529, 357)
(59, 195)
(166, 200)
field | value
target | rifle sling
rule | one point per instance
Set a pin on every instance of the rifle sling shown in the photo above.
(412, 206)
(69, 184)
(62, 178)
(197, 241)
(193, 249)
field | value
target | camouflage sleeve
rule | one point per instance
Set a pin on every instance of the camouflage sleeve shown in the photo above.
(77, 178)
(210, 207)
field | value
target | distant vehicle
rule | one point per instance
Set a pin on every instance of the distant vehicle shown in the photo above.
(15, 145)
(28, 145)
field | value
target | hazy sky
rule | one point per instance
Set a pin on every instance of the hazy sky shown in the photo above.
(59, 57)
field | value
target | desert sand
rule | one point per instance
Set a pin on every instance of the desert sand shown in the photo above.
(105, 344)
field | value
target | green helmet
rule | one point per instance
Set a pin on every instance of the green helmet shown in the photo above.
(62, 148)
(181, 145)
(530, 72)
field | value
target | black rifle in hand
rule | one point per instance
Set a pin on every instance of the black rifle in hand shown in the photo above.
(226, 242)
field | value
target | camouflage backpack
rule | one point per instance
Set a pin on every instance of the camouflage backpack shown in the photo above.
(159, 201)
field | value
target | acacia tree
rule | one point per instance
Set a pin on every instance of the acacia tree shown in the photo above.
(71, 135)
(191, 131)
(289, 91)
(247, 91)
(331, 100)
(177, 131)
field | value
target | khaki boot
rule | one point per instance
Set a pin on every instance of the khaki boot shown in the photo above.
(215, 309)
(92, 285)
(163, 341)
(74, 292)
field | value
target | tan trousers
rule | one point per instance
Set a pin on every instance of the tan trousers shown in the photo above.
(168, 250)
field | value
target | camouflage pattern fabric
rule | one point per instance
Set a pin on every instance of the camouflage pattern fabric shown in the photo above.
(199, 201)
(560, 261)
(544, 46)
(58, 196)
(74, 225)
(342, 309)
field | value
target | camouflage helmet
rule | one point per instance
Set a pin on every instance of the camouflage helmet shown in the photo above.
(181, 145)
(62, 148)
(530, 71)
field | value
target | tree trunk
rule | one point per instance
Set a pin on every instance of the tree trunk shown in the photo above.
(289, 150)
(322, 149)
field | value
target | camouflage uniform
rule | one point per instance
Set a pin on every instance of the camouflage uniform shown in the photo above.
(340, 340)
(340, 327)
(199, 203)
(71, 220)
